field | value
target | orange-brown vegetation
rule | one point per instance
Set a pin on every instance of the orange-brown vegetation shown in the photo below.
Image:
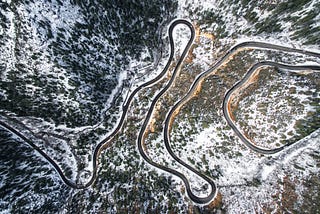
(217, 202)
(284, 199)
(208, 35)
(174, 114)
(190, 57)
(235, 97)
(198, 89)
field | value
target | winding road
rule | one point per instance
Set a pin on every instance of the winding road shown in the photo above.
(109, 138)
(147, 120)
(226, 102)
(177, 106)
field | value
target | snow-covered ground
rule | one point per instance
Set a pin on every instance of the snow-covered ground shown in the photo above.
(241, 174)
(76, 121)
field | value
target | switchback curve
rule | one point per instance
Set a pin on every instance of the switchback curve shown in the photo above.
(169, 117)
(227, 97)
(110, 137)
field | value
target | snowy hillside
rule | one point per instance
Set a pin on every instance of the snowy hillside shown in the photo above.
(68, 68)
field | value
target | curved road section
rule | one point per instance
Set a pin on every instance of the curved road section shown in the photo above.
(238, 85)
(193, 88)
(141, 137)
(170, 116)
(108, 139)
